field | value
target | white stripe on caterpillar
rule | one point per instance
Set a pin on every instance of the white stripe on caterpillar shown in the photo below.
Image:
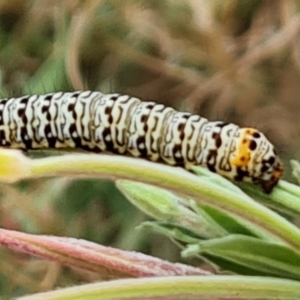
(124, 125)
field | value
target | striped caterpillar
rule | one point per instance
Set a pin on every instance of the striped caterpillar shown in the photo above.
(124, 125)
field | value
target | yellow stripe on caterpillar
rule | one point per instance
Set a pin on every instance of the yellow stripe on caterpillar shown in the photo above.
(244, 147)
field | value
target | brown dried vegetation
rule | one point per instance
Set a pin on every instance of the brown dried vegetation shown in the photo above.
(235, 60)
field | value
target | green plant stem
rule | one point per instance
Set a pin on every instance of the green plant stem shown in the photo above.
(180, 287)
(286, 195)
(175, 179)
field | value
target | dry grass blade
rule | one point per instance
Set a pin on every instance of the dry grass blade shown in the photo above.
(248, 60)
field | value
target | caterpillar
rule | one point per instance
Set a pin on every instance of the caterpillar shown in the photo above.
(122, 124)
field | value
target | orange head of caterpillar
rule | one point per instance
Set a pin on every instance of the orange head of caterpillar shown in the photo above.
(256, 160)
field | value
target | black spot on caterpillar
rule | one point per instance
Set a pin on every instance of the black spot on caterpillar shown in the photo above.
(124, 125)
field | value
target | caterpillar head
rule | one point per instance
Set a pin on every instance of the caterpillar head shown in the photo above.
(257, 160)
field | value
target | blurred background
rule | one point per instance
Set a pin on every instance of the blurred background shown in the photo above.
(234, 60)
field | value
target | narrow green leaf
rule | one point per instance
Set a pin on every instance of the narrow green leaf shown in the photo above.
(296, 169)
(285, 198)
(226, 221)
(266, 257)
(166, 206)
(173, 231)
(219, 180)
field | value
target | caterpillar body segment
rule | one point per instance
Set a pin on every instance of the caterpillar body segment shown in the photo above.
(124, 125)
